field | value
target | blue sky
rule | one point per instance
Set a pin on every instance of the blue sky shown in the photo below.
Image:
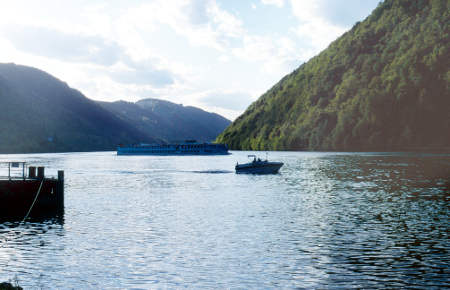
(219, 55)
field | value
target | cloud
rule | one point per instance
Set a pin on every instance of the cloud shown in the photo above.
(318, 34)
(201, 22)
(198, 12)
(224, 58)
(68, 47)
(225, 23)
(278, 3)
(227, 100)
(255, 48)
(322, 21)
(89, 50)
(141, 73)
(276, 56)
(314, 28)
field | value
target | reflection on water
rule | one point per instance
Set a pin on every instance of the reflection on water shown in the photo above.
(384, 219)
(327, 220)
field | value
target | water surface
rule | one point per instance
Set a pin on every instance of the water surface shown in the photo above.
(328, 220)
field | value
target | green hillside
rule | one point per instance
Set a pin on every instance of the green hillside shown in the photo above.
(383, 85)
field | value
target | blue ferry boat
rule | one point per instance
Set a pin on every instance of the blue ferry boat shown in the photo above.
(188, 147)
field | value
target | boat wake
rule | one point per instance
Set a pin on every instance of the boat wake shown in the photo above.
(212, 171)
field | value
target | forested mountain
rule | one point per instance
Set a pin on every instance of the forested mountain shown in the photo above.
(40, 113)
(169, 121)
(383, 85)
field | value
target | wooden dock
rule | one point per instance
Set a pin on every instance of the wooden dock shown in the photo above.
(30, 195)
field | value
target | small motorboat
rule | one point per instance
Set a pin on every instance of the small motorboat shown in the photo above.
(258, 166)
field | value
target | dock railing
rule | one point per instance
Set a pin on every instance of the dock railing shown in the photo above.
(13, 170)
(19, 170)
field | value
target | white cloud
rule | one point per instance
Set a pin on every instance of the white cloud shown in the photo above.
(143, 74)
(224, 58)
(226, 23)
(231, 100)
(305, 11)
(278, 3)
(318, 33)
(202, 22)
(229, 103)
(277, 56)
(255, 48)
(313, 28)
(69, 47)
(89, 50)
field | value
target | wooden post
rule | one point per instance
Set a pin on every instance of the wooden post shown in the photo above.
(60, 190)
(31, 172)
(41, 172)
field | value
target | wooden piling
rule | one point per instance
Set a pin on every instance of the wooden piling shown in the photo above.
(41, 172)
(32, 172)
(60, 190)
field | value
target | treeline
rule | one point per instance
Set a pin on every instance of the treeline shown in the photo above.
(383, 85)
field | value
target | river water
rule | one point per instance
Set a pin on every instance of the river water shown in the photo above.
(328, 220)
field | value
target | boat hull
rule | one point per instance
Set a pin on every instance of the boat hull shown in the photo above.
(173, 153)
(175, 149)
(265, 168)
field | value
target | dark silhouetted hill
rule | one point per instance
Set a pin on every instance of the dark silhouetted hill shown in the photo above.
(40, 113)
(169, 121)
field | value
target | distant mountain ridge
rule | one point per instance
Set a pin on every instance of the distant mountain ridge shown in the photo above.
(382, 86)
(43, 114)
(169, 121)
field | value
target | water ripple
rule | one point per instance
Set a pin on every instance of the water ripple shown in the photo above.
(328, 220)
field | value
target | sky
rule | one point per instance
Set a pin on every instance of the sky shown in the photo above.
(218, 55)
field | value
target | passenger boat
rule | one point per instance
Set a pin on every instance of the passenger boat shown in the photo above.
(258, 166)
(188, 147)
